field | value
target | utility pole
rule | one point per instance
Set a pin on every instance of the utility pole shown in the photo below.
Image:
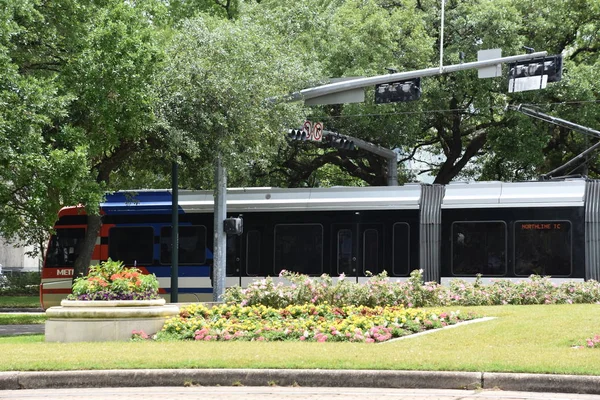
(174, 233)
(220, 239)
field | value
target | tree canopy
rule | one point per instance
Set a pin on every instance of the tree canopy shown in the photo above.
(101, 95)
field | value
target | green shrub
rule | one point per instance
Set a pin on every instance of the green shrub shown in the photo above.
(379, 290)
(20, 284)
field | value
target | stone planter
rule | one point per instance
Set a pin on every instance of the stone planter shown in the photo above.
(101, 321)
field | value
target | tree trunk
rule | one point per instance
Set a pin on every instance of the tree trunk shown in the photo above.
(89, 243)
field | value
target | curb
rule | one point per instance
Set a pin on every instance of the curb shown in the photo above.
(301, 377)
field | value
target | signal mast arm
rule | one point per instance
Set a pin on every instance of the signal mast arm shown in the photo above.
(390, 156)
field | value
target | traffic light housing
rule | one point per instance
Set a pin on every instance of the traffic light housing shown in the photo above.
(409, 90)
(550, 66)
(341, 142)
(297, 134)
(233, 226)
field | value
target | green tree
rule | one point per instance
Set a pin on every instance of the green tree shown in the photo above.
(215, 92)
(460, 119)
(78, 79)
(38, 175)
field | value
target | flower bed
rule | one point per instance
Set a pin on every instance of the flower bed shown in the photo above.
(108, 304)
(307, 322)
(110, 280)
(381, 291)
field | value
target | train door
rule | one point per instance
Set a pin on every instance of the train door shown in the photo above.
(357, 250)
(344, 250)
(370, 255)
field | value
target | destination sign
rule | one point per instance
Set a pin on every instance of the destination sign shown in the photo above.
(544, 226)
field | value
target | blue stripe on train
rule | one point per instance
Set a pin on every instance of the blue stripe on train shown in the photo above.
(155, 202)
(184, 271)
(191, 290)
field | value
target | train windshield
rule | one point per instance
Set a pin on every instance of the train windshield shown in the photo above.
(64, 247)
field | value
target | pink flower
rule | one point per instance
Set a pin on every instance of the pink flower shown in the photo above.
(302, 338)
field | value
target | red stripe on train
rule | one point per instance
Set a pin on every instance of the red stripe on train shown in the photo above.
(56, 291)
(60, 272)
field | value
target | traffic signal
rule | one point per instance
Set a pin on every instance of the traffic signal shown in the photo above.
(550, 66)
(341, 142)
(233, 226)
(534, 74)
(398, 91)
(297, 134)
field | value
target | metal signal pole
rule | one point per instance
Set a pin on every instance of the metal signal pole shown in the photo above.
(174, 234)
(220, 239)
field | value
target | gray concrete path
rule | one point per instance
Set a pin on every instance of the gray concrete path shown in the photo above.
(280, 393)
(14, 330)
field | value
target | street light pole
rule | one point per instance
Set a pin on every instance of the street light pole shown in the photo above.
(220, 239)
(174, 234)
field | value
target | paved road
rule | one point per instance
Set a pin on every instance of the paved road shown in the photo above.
(279, 393)
(13, 330)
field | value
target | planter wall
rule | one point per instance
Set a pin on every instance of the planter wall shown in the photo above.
(101, 321)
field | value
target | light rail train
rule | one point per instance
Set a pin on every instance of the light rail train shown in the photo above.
(498, 230)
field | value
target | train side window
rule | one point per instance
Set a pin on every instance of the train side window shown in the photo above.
(131, 244)
(192, 245)
(401, 249)
(344, 252)
(479, 247)
(370, 251)
(543, 248)
(299, 248)
(253, 253)
(64, 247)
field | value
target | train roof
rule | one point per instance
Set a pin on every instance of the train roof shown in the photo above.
(564, 193)
(407, 197)
(271, 199)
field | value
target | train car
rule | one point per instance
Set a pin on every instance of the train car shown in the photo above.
(514, 230)
(498, 230)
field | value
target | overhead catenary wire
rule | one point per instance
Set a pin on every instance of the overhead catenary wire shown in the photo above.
(450, 110)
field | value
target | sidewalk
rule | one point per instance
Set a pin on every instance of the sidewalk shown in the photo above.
(279, 393)
(14, 330)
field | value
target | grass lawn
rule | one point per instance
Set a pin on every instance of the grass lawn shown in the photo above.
(19, 302)
(536, 339)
